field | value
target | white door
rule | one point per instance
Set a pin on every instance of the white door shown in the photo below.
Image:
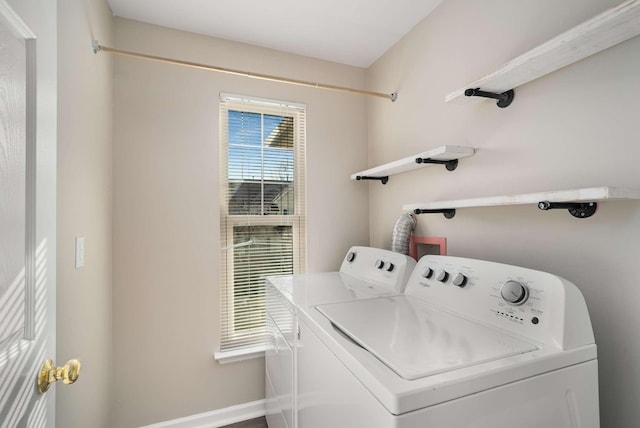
(27, 222)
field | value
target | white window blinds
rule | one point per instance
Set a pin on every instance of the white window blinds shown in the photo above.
(262, 219)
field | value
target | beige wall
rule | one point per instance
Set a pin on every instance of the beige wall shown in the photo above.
(166, 243)
(574, 128)
(85, 83)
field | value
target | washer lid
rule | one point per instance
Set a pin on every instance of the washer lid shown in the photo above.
(416, 340)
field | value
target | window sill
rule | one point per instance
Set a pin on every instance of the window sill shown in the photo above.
(226, 357)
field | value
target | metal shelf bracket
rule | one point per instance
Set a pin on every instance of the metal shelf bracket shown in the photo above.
(447, 212)
(449, 164)
(576, 209)
(383, 180)
(504, 99)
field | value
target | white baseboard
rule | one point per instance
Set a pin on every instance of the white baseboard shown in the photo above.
(217, 418)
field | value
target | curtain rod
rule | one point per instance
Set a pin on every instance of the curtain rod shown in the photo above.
(97, 47)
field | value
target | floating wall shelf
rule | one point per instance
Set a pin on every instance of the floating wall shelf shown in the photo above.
(580, 203)
(599, 33)
(444, 155)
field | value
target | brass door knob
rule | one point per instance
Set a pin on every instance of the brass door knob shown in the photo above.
(49, 374)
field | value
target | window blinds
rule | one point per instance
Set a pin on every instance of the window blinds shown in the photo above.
(262, 219)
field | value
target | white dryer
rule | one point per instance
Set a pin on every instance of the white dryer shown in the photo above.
(365, 273)
(470, 344)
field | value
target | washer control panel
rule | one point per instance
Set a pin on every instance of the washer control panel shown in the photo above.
(538, 305)
(381, 267)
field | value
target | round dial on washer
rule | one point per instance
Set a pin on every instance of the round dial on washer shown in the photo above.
(442, 276)
(427, 272)
(379, 264)
(351, 256)
(460, 280)
(389, 266)
(514, 292)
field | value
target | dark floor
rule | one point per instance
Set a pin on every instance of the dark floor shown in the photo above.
(253, 423)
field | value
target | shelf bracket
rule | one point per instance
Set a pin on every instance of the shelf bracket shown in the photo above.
(448, 213)
(576, 209)
(449, 164)
(504, 99)
(383, 180)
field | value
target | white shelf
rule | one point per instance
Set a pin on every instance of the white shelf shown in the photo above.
(599, 33)
(443, 153)
(593, 194)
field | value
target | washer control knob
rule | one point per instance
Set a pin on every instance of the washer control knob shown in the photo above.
(389, 266)
(442, 276)
(379, 264)
(460, 280)
(515, 293)
(427, 272)
(351, 256)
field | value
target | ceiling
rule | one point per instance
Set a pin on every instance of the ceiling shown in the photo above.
(354, 32)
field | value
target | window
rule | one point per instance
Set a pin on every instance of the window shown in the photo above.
(262, 219)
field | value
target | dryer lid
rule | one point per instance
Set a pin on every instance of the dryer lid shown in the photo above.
(416, 340)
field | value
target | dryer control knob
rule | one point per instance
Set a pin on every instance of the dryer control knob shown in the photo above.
(389, 267)
(351, 256)
(515, 293)
(379, 264)
(460, 280)
(427, 272)
(442, 276)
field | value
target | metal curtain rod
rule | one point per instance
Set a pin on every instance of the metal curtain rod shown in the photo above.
(97, 47)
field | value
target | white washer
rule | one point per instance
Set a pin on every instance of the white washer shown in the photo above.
(470, 344)
(365, 273)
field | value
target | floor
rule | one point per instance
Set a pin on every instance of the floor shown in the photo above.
(253, 423)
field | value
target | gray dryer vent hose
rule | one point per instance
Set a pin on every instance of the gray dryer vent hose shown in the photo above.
(402, 231)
